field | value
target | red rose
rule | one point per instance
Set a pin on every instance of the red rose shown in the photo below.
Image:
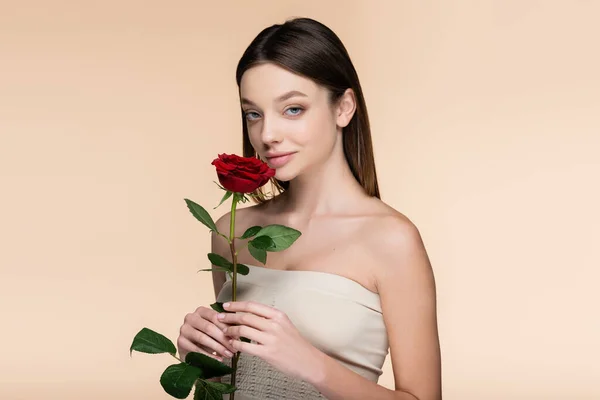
(242, 174)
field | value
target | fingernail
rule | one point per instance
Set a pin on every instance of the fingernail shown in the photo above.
(226, 305)
(220, 316)
(228, 353)
(224, 329)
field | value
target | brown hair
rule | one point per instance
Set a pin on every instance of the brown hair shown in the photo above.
(308, 48)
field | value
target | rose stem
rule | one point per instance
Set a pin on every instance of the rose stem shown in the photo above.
(236, 356)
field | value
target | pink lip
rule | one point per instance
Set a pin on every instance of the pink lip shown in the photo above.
(280, 161)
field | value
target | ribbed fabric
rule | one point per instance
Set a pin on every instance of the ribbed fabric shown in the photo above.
(336, 314)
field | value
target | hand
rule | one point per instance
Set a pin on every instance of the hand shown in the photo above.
(278, 342)
(202, 332)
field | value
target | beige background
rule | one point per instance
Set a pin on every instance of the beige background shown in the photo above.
(486, 122)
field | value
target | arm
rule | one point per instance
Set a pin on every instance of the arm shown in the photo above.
(407, 289)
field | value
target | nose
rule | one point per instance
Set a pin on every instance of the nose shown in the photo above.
(270, 132)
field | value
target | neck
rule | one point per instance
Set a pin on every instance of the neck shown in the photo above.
(328, 189)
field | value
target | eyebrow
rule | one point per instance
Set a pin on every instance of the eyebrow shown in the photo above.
(279, 99)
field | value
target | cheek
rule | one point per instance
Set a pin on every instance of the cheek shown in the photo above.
(321, 134)
(254, 135)
(317, 131)
(299, 132)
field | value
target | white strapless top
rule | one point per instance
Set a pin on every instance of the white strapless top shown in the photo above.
(336, 314)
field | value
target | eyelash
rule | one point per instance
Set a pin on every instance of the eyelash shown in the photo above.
(291, 108)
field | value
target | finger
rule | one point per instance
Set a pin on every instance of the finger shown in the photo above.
(209, 329)
(236, 332)
(201, 339)
(189, 347)
(210, 315)
(219, 324)
(262, 310)
(251, 320)
(248, 348)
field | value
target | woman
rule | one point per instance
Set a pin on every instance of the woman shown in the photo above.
(322, 314)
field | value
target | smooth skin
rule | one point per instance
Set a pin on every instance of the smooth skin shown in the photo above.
(344, 232)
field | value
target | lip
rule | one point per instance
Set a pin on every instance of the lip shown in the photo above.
(279, 160)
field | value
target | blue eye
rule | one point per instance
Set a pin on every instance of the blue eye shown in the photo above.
(298, 109)
(253, 114)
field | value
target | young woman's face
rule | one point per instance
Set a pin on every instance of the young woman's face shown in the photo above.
(291, 124)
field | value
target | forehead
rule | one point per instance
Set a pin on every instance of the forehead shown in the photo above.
(264, 83)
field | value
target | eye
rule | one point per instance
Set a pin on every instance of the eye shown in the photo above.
(294, 111)
(251, 115)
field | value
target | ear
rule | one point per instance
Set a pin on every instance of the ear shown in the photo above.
(345, 108)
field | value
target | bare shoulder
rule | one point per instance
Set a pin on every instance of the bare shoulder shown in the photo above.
(395, 244)
(390, 227)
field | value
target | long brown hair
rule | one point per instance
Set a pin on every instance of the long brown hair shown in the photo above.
(308, 48)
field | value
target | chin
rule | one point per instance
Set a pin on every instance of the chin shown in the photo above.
(284, 177)
(284, 174)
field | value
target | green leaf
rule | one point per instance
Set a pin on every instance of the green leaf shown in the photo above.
(178, 379)
(250, 232)
(282, 236)
(225, 197)
(220, 261)
(209, 366)
(219, 185)
(227, 265)
(242, 269)
(262, 242)
(258, 254)
(148, 341)
(245, 339)
(206, 390)
(218, 307)
(201, 215)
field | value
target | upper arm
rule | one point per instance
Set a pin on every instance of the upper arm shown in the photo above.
(406, 286)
